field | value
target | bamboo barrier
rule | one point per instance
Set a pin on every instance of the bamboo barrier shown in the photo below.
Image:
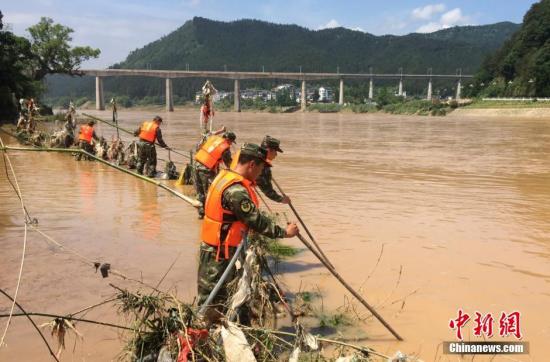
(189, 200)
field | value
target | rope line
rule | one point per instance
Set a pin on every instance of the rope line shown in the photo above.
(17, 190)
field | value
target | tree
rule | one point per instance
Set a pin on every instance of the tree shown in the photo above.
(15, 81)
(521, 67)
(52, 52)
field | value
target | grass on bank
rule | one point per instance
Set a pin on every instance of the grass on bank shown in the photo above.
(418, 107)
(481, 104)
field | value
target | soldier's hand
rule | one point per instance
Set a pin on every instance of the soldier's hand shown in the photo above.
(285, 200)
(291, 230)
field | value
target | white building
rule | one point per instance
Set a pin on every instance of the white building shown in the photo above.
(326, 95)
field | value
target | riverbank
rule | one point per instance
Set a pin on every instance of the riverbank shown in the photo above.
(529, 110)
(516, 112)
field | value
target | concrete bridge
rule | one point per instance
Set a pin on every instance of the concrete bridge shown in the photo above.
(237, 76)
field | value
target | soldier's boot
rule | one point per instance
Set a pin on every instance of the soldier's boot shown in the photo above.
(150, 170)
(139, 166)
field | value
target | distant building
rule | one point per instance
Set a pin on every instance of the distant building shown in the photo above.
(219, 96)
(263, 94)
(326, 94)
(287, 87)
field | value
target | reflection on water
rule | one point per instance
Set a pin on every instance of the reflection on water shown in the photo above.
(459, 207)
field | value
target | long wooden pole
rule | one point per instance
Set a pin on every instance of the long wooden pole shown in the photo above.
(189, 200)
(304, 225)
(32, 322)
(349, 288)
(125, 130)
(224, 276)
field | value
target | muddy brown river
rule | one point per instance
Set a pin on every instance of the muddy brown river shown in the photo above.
(424, 215)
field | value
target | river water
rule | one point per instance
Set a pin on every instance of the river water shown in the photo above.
(425, 215)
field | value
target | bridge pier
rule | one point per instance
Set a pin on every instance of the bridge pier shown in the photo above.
(458, 89)
(99, 101)
(400, 90)
(371, 89)
(341, 98)
(169, 98)
(303, 97)
(237, 96)
(429, 96)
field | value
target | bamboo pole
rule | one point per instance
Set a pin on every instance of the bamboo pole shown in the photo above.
(32, 322)
(69, 317)
(224, 276)
(127, 131)
(349, 288)
(304, 225)
(187, 199)
(366, 350)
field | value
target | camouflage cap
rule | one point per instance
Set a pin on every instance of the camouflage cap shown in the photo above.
(272, 143)
(256, 151)
(230, 136)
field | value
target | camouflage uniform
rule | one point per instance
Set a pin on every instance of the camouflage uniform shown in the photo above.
(264, 183)
(236, 199)
(147, 158)
(204, 177)
(86, 146)
(147, 153)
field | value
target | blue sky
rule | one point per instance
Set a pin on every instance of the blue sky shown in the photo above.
(120, 26)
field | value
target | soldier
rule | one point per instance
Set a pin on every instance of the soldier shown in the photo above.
(212, 152)
(273, 145)
(32, 110)
(231, 209)
(23, 115)
(148, 133)
(85, 137)
(69, 126)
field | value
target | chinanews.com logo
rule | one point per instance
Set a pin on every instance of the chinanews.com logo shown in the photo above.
(486, 326)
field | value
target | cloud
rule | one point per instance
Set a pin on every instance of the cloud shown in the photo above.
(331, 24)
(21, 19)
(429, 28)
(357, 28)
(450, 18)
(191, 3)
(427, 12)
(453, 17)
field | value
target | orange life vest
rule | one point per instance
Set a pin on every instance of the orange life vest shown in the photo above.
(235, 160)
(148, 131)
(210, 153)
(217, 220)
(86, 133)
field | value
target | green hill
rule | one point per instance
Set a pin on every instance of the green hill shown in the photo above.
(251, 45)
(522, 66)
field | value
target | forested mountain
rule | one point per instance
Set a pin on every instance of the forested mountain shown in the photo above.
(522, 66)
(251, 45)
